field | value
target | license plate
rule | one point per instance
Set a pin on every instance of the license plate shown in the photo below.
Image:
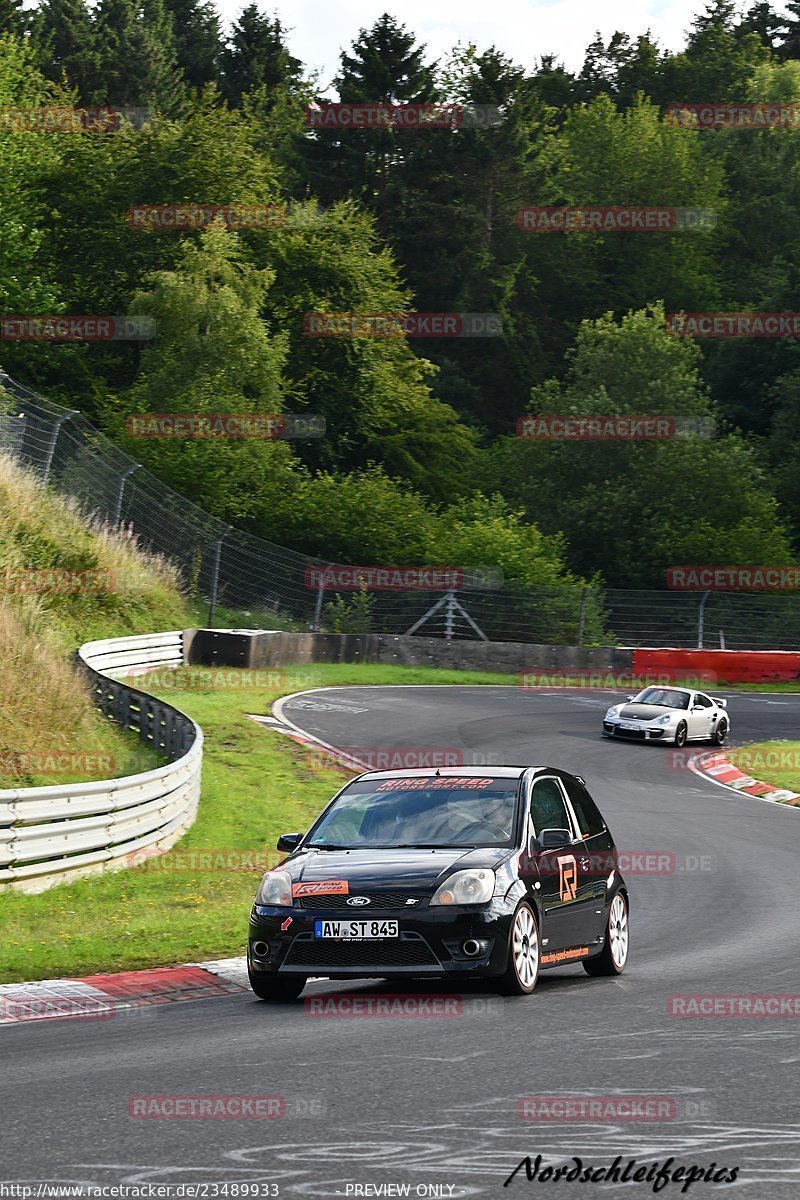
(356, 931)
(627, 725)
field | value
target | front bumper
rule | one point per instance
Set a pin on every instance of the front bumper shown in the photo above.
(638, 731)
(430, 943)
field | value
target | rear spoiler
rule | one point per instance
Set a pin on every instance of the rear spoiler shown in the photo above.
(721, 703)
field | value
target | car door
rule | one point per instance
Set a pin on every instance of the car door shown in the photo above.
(702, 715)
(599, 844)
(566, 886)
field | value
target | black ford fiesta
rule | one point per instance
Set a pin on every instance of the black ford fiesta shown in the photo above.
(431, 874)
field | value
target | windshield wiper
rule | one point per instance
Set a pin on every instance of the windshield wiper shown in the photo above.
(325, 846)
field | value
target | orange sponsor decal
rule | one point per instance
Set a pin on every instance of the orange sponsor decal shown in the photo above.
(322, 887)
(567, 877)
(557, 956)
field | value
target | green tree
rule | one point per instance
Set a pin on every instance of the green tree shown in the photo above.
(256, 56)
(12, 18)
(212, 354)
(137, 64)
(641, 506)
(198, 41)
(64, 41)
(27, 159)
(372, 391)
(721, 53)
(386, 66)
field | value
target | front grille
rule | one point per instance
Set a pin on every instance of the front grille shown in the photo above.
(409, 950)
(636, 734)
(377, 900)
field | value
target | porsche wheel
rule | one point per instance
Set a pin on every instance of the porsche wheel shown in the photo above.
(721, 732)
(681, 734)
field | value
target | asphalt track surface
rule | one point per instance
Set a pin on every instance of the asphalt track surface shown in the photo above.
(435, 1101)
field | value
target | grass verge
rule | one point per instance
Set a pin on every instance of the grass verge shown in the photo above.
(773, 762)
(256, 785)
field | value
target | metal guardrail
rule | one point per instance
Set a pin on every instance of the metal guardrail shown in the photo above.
(51, 833)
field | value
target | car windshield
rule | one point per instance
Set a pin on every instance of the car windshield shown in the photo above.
(425, 812)
(664, 697)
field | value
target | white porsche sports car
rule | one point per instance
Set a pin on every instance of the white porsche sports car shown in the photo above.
(669, 714)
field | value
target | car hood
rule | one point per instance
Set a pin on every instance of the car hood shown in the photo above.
(379, 870)
(648, 712)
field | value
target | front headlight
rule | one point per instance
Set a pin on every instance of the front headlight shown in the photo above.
(615, 711)
(275, 889)
(665, 720)
(466, 887)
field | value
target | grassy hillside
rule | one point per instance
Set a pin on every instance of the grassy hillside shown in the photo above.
(44, 706)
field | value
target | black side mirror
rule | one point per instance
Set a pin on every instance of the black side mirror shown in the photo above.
(553, 839)
(289, 842)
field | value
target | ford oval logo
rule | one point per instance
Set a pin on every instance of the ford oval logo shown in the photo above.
(358, 900)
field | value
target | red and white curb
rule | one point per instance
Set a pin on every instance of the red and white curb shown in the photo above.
(338, 759)
(100, 997)
(721, 770)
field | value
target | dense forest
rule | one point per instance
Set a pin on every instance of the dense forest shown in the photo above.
(420, 461)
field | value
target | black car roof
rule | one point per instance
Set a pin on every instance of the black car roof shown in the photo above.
(504, 772)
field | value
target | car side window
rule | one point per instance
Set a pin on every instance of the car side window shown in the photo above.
(548, 808)
(703, 700)
(590, 822)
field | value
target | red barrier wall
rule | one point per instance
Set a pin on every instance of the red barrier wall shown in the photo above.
(721, 666)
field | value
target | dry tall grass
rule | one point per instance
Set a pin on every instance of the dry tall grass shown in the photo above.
(44, 705)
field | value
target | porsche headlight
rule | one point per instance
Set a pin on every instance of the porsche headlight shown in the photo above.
(615, 711)
(665, 720)
(466, 887)
(275, 890)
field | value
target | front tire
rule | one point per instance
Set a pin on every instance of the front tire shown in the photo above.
(523, 955)
(275, 988)
(681, 734)
(612, 958)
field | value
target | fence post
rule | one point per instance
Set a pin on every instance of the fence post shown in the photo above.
(51, 449)
(582, 616)
(701, 620)
(317, 626)
(121, 492)
(449, 616)
(212, 600)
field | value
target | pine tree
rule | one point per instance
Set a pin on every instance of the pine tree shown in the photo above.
(137, 58)
(64, 43)
(386, 66)
(12, 19)
(762, 20)
(198, 40)
(790, 46)
(257, 56)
